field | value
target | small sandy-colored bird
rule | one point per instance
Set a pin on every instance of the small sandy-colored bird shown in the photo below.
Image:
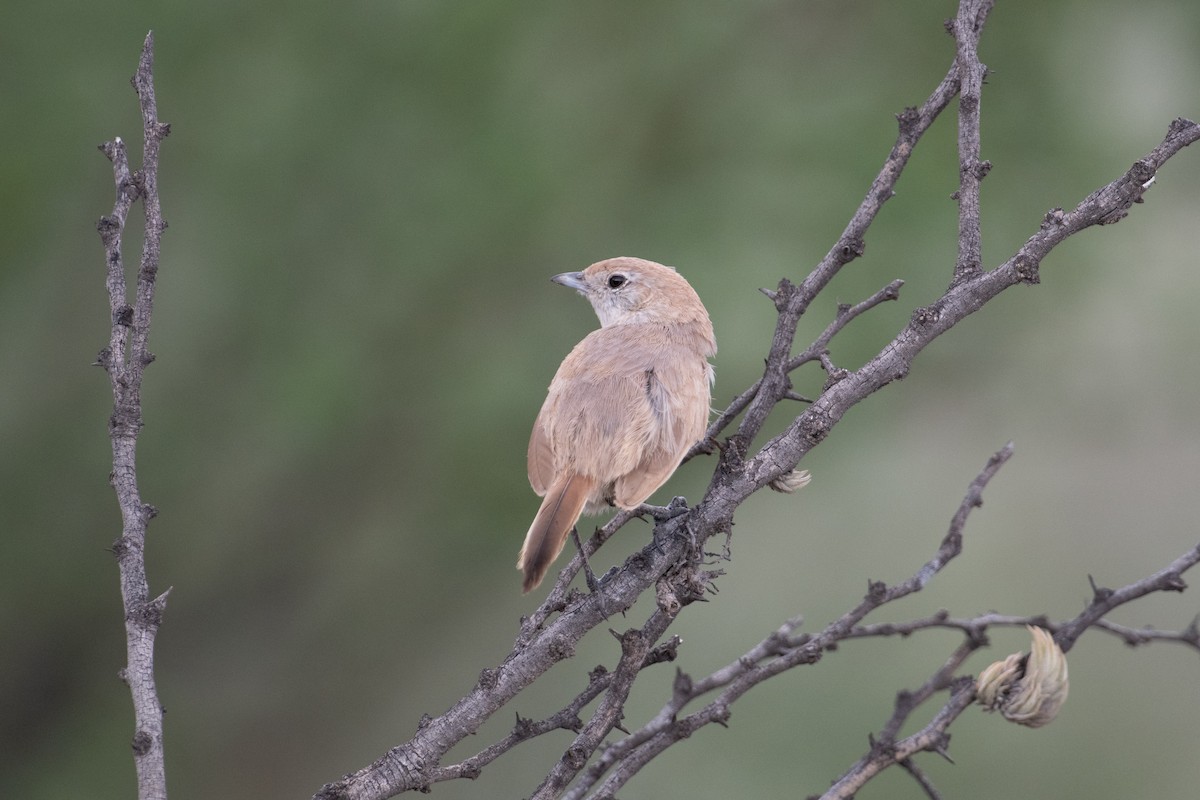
(625, 405)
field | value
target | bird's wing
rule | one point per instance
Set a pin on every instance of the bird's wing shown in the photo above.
(540, 456)
(679, 403)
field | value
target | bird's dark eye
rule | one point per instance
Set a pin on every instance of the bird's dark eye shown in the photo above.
(616, 281)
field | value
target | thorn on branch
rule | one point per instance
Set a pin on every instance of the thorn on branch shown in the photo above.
(682, 687)
(1191, 634)
(1099, 593)
(941, 747)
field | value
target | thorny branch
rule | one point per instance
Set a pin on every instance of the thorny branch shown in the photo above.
(672, 563)
(124, 359)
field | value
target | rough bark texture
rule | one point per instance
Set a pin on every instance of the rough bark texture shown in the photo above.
(125, 359)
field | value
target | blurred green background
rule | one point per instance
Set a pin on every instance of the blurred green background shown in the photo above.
(354, 330)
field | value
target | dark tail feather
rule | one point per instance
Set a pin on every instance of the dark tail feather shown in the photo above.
(559, 512)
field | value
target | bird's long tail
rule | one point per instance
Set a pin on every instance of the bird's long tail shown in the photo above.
(560, 511)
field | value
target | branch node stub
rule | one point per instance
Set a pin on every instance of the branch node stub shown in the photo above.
(106, 225)
(488, 678)
(1053, 219)
(103, 358)
(783, 294)
(560, 649)
(148, 614)
(926, 315)
(123, 316)
(667, 651)
(1027, 269)
(814, 426)
(121, 546)
(1179, 124)
(1141, 172)
(851, 249)
(666, 598)
(908, 119)
(142, 743)
(982, 168)
(576, 757)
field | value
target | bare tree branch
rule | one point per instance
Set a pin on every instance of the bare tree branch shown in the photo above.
(125, 359)
(966, 28)
(673, 562)
(777, 653)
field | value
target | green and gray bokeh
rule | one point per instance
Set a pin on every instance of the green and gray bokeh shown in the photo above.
(354, 330)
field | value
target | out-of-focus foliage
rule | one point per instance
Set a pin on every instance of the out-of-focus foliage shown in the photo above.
(354, 331)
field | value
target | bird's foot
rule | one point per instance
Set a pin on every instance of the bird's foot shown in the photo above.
(677, 506)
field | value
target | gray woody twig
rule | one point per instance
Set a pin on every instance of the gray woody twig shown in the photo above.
(125, 359)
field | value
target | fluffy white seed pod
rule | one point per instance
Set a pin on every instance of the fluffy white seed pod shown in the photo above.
(1028, 689)
(789, 482)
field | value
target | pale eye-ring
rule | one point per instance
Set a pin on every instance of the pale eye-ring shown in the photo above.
(616, 281)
